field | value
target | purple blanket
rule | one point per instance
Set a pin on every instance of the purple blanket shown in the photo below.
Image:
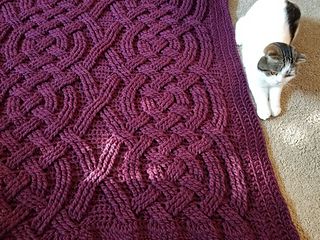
(130, 119)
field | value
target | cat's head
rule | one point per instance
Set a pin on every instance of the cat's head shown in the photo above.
(280, 62)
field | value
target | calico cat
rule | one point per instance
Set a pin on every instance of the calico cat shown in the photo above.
(265, 34)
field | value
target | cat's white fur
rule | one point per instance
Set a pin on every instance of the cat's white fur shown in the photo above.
(264, 23)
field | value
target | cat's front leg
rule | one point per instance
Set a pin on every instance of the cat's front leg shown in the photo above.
(260, 95)
(274, 96)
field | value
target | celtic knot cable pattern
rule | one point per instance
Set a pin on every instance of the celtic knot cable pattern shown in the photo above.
(129, 119)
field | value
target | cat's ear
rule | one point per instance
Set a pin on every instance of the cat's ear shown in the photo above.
(274, 55)
(263, 64)
(301, 58)
(266, 62)
(273, 52)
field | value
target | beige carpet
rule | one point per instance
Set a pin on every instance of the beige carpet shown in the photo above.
(293, 138)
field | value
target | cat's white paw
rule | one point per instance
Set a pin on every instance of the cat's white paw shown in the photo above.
(275, 111)
(264, 113)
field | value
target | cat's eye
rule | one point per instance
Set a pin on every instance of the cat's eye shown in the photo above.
(273, 73)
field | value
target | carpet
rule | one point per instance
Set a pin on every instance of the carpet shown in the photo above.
(130, 120)
(293, 137)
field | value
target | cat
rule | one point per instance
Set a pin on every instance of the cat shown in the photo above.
(265, 35)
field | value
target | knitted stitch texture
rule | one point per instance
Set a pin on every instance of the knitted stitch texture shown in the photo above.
(130, 119)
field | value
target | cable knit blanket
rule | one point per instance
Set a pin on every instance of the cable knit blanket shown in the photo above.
(130, 119)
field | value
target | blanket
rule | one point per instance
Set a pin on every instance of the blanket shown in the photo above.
(130, 119)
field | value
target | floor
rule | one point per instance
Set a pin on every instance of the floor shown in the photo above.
(293, 138)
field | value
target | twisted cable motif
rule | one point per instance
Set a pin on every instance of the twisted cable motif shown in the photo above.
(117, 122)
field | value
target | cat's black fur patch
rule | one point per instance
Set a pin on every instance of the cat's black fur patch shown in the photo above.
(294, 14)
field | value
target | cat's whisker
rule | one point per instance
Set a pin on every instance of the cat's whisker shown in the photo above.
(290, 84)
